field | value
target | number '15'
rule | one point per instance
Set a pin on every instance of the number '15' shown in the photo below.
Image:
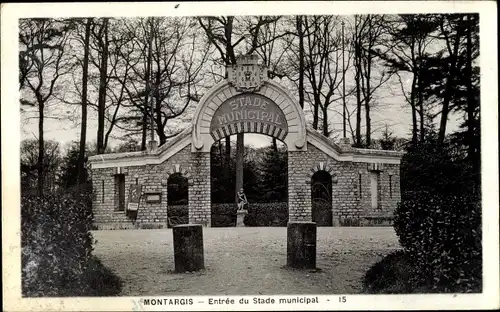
(342, 299)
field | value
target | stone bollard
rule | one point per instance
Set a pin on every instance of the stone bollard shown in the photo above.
(188, 247)
(240, 217)
(301, 245)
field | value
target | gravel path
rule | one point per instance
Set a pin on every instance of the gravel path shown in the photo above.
(243, 261)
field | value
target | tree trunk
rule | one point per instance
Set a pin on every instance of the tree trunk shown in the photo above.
(300, 33)
(421, 109)
(449, 89)
(316, 112)
(368, 123)
(103, 73)
(357, 61)
(148, 87)
(325, 121)
(358, 104)
(414, 131)
(227, 155)
(41, 146)
(159, 122)
(83, 129)
(240, 149)
(144, 131)
(470, 95)
(367, 104)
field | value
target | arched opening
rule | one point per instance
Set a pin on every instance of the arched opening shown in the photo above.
(321, 198)
(177, 199)
(265, 182)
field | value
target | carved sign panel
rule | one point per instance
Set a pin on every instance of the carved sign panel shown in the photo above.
(249, 112)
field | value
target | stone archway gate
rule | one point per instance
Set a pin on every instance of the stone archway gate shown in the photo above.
(246, 102)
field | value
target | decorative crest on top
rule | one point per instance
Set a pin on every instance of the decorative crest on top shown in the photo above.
(247, 75)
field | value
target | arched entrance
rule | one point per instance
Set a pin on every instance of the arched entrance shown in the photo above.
(265, 182)
(248, 102)
(321, 198)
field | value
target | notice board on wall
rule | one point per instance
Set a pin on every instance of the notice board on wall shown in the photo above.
(134, 197)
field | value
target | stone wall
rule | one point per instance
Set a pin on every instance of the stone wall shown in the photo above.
(351, 189)
(104, 204)
(299, 191)
(199, 190)
(351, 194)
(152, 178)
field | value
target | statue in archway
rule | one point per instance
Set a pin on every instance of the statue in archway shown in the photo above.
(242, 199)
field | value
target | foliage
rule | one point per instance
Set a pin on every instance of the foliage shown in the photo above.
(69, 167)
(129, 145)
(388, 140)
(177, 214)
(222, 176)
(267, 214)
(439, 218)
(224, 179)
(259, 214)
(223, 215)
(274, 171)
(177, 193)
(29, 163)
(56, 242)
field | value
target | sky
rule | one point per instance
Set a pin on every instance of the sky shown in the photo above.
(389, 108)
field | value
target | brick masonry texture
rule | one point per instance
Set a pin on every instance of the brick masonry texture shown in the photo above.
(350, 200)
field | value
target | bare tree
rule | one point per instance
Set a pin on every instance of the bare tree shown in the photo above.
(221, 32)
(101, 42)
(369, 32)
(452, 31)
(404, 51)
(83, 128)
(42, 51)
(29, 164)
(323, 67)
(108, 101)
(162, 64)
(300, 34)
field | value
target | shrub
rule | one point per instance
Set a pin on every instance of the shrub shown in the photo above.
(438, 221)
(441, 233)
(267, 214)
(150, 226)
(56, 246)
(350, 221)
(259, 214)
(55, 240)
(177, 214)
(223, 215)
